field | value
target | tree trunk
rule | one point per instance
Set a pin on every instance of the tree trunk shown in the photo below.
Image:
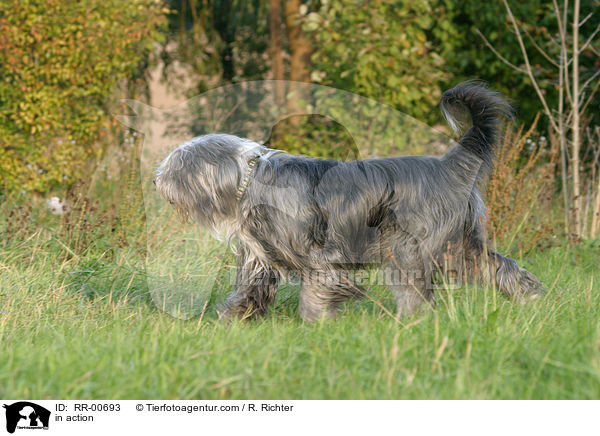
(276, 54)
(562, 134)
(575, 127)
(300, 50)
(595, 227)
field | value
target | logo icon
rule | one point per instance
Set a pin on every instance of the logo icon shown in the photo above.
(26, 415)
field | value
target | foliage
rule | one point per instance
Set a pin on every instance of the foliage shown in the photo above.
(382, 50)
(220, 41)
(469, 57)
(402, 53)
(59, 62)
(314, 136)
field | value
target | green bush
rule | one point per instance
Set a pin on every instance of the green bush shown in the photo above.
(59, 62)
(382, 50)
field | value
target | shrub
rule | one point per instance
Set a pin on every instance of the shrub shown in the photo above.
(59, 62)
(382, 50)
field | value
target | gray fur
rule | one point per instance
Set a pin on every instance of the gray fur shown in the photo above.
(324, 219)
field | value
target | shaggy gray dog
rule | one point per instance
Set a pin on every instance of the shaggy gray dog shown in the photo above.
(324, 220)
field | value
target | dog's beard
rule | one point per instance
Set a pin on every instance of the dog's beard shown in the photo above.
(224, 230)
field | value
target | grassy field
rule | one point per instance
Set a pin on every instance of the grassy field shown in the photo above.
(85, 327)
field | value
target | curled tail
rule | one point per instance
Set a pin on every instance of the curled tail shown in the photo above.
(485, 108)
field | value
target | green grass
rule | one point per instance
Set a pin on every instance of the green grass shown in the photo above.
(86, 327)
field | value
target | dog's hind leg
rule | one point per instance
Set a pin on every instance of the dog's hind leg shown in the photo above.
(512, 280)
(323, 293)
(489, 268)
(255, 287)
(492, 269)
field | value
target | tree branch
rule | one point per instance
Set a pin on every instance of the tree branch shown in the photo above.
(563, 45)
(541, 50)
(587, 82)
(528, 67)
(502, 58)
(590, 39)
(585, 19)
(590, 97)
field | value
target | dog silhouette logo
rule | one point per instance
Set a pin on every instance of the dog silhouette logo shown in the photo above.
(26, 415)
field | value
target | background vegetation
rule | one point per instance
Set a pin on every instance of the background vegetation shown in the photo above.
(59, 63)
(74, 277)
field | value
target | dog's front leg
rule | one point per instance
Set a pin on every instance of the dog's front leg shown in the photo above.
(255, 287)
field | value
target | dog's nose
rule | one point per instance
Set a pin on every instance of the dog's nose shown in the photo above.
(154, 181)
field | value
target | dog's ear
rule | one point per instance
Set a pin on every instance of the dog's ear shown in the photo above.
(173, 184)
(225, 180)
(179, 196)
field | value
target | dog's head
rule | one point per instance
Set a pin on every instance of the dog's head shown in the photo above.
(201, 177)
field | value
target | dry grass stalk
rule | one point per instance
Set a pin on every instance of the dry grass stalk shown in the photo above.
(521, 190)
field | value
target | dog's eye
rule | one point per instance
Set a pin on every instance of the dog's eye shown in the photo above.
(171, 203)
